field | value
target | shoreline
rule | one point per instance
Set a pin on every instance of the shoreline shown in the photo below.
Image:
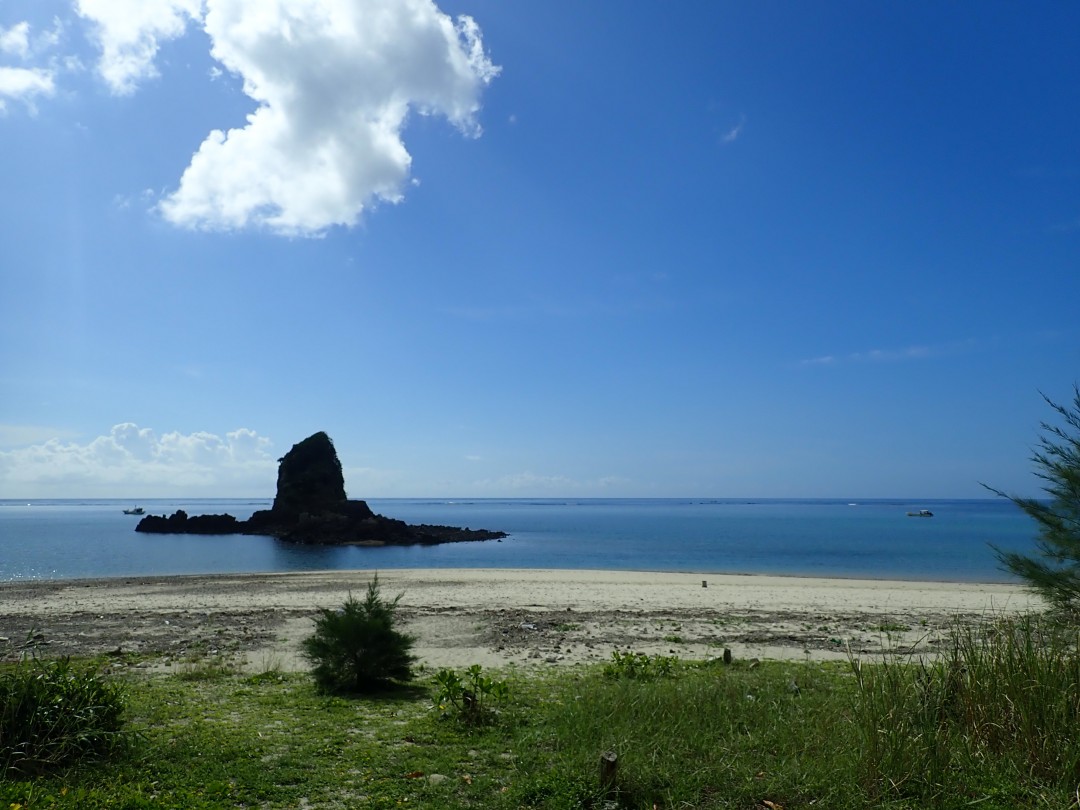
(501, 617)
(509, 570)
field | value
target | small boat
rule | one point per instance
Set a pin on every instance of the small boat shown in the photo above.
(137, 510)
(921, 513)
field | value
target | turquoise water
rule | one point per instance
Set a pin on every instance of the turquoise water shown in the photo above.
(65, 539)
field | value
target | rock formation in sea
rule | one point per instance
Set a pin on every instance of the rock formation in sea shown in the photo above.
(311, 507)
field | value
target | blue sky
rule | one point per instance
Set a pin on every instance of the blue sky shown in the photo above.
(536, 249)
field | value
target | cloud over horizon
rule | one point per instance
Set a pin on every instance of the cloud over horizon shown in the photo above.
(140, 463)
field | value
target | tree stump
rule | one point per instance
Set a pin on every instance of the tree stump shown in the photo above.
(609, 762)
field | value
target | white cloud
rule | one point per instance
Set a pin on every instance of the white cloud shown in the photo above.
(335, 81)
(36, 77)
(733, 134)
(894, 355)
(24, 84)
(129, 32)
(16, 40)
(19, 435)
(131, 461)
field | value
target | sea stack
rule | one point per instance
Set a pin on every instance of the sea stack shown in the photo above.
(311, 507)
(309, 478)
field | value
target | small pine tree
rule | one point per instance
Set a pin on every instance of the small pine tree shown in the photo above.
(356, 649)
(1055, 573)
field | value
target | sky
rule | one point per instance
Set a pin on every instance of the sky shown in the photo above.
(536, 249)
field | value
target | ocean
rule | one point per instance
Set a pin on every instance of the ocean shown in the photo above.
(74, 539)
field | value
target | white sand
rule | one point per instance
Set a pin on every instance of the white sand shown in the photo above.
(510, 617)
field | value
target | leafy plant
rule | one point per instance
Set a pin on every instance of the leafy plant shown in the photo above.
(640, 666)
(470, 697)
(1055, 573)
(53, 714)
(357, 649)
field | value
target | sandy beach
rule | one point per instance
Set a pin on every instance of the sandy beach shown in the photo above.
(499, 618)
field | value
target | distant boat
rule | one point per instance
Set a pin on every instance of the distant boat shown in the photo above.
(138, 510)
(921, 513)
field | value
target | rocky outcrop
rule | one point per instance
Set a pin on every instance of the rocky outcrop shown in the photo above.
(179, 523)
(311, 507)
(309, 478)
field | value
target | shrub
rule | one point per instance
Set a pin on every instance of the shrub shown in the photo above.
(53, 714)
(356, 649)
(471, 696)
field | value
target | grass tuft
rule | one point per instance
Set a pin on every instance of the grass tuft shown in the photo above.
(54, 714)
(1001, 705)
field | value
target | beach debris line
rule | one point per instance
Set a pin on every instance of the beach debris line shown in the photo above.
(311, 507)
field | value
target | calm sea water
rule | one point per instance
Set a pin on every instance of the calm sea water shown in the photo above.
(66, 539)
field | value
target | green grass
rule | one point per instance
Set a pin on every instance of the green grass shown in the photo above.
(54, 713)
(992, 724)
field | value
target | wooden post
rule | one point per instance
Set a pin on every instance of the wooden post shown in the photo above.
(608, 766)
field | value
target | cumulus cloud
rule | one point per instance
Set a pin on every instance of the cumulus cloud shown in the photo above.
(20, 435)
(15, 40)
(335, 81)
(132, 461)
(24, 84)
(129, 33)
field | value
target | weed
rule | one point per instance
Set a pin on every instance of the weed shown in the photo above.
(469, 697)
(198, 668)
(640, 666)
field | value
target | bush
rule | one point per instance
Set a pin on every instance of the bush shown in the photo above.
(53, 714)
(355, 649)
